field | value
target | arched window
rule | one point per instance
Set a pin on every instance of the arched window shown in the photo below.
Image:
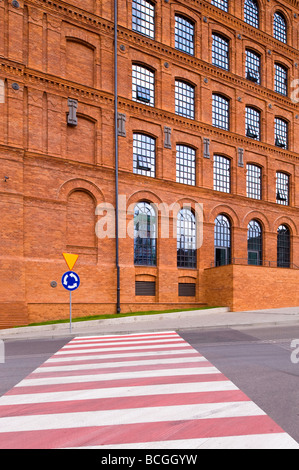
(220, 51)
(185, 165)
(220, 112)
(283, 247)
(184, 99)
(222, 4)
(253, 123)
(143, 85)
(281, 133)
(144, 155)
(184, 34)
(145, 234)
(281, 79)
(279, 27)
(253, 66)
(254, 243)
(222, 174)
(186, 239)
(143, 17)
(253, 181)
(251, 13)
(282, 188)
(222, 235)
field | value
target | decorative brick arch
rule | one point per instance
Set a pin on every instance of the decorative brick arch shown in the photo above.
(78, 184)
(147, 196)
(285, 220)
(225, 210)
(259, 217)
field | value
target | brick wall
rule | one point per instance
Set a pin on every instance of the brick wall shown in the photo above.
(58, 174)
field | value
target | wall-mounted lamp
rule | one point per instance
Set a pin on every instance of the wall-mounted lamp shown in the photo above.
(6, 178)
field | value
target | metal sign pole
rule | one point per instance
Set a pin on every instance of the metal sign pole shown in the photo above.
(70, 311)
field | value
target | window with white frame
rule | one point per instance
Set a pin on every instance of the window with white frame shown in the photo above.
(143, 17)
(184, 99)
(281, 79)
(184, 34)
(185, 164)
(253, 66)
(222, 4)
(279, 27)
(282, 188)
(253, 181)
(220, 51)
(221, 174)
(252, 123)
(143, 85)
(144, 155)
(220, 112)
(281, 133)
(251, 13)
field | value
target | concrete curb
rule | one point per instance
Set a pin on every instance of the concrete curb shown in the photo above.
(90, 325)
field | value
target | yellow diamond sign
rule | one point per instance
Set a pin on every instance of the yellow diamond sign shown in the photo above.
(70, 259)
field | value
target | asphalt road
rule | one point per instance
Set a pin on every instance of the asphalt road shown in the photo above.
(257, 360)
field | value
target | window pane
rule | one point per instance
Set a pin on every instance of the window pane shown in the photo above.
(185, 165)
(254, 181)
(144, 235)
(184, 35)
(222, 241)
(143, 17)
(253, 67)
(282, 189)
(144, 155)
(143, 85)
(254, 243)
(283, 247)
(184, 99)
(186, 239)
(220, 52)
(252, 123)
(280, 27)
(221, 174)
(281, 133)
(222, 4)
(281, 80)
(220, 112)
(251, 13)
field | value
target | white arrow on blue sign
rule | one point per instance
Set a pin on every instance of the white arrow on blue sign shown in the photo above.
(70, 281)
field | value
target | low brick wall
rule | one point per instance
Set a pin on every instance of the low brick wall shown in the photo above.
(251, 287)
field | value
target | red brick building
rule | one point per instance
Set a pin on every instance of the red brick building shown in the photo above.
(206, 113)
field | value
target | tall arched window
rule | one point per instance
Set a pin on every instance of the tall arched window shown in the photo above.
(251, 13)
(222, 240)
(283, 247)
(186, 239)
(254, 243)
(145, 234)
(280, 27)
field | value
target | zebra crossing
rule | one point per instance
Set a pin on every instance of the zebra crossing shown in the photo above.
(137, 391)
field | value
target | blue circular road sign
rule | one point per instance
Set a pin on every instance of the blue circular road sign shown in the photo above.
(70, 281)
